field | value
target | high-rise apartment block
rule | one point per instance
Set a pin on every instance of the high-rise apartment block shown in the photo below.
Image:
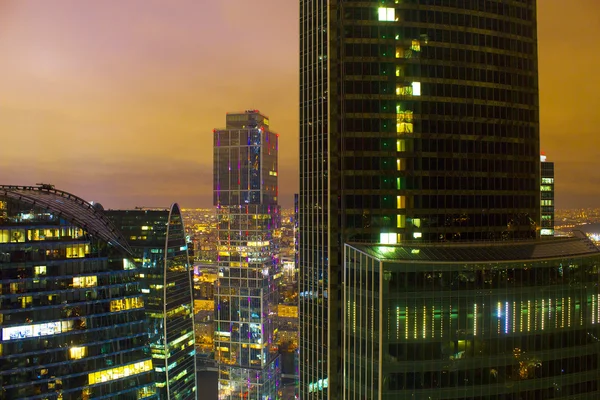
(245, 195)
(547, 197)
(160, 252)
(419, 121)
(72, 317)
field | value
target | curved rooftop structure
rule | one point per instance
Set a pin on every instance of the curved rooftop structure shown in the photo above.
(69, 207)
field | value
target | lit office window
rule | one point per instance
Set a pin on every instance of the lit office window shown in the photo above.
(387, 14)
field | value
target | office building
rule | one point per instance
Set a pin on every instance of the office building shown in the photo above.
(547, 197)
(157, 239)
(72, 317)
(490, 321)
(245, 195)
(418, 121)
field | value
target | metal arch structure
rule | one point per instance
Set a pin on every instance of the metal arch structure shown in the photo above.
(69, 207)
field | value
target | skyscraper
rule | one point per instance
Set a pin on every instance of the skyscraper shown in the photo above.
(245, 195)
(485, 321)
(418, 121)
(547, 197)
(158, 242)
(72, 315)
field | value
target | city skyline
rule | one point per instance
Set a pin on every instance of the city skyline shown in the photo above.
(89, 91)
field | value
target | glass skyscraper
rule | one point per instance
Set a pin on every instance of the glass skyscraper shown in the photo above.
(507, 320)
(72, 315)
(157, 239)
(418, 121)
(245, 195)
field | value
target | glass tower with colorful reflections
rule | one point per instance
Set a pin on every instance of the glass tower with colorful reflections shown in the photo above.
(72, 320)
(157, 239)
(419, 120)
(245, 195)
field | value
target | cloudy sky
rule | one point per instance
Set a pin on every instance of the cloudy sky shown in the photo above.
(115, 100)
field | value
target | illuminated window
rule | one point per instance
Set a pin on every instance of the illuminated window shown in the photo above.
(401, 201)
(85, 281)
(126, 304)
(415, 45)
(417, 235)
(77, 250)
(547, 202)
(399, 71)
(548, 180)
(27, 331)
(120, 372)
(39, 270)
(417, 222)
(77, 352)
(388, 238)
(401, 164)
(401, 221)
(416, 88)
(404, 90)
(387, 14)
(400, 184)
(546, 188)
(404, 127)
(400, 145)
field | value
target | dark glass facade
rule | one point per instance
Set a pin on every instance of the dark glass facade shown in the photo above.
(245, 194)
(480, 322)
(72, 315)
(547, 198)
(418, 121)
(157, 239)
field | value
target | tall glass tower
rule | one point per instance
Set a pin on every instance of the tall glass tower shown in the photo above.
(72, 320)
(245, 194)
(157, 239)
(418, 121)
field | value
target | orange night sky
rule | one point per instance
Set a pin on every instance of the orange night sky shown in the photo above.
(115, 101)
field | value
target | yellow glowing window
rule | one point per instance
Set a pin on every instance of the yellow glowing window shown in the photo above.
(403, 90)
(546, 188)
(400, 145)
(77, 250)
(75, 353)
(401, 164)
(401, 221)
(85, 281)
(399, 53)
(401, 201)
(399, 71)
(404, 127)
(386, 14)
(548, 180)
(126, 304)
(120, 372)
(417, 222)
(415, 45)
(403, 115)
(39, 270)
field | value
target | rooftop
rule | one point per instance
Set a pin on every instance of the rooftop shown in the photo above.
(481, 252)
(71, 208)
